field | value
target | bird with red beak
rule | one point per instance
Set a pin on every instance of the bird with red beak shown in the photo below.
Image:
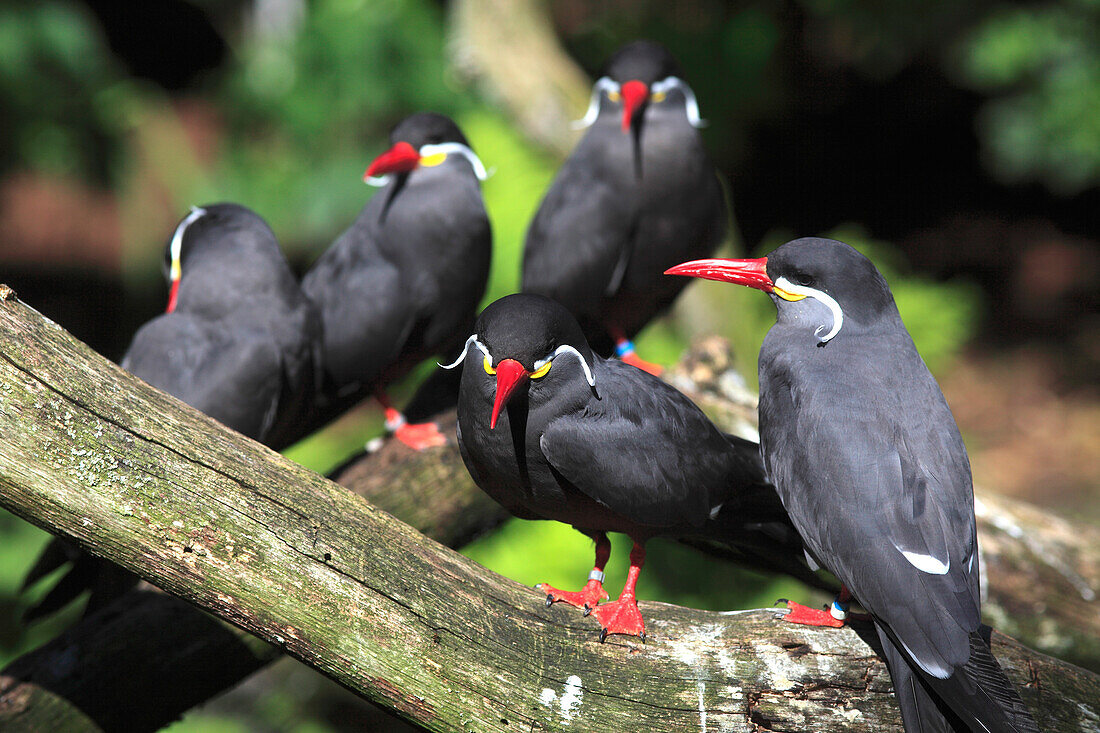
(867, 458)
(404, 281)
(553, 431)
(638, 195)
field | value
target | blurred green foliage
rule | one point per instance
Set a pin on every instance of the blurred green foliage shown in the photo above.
(1040, 66)
(55, 69)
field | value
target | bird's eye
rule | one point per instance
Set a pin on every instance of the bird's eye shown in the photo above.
(657, 97)
(614, 96)
(804, 279)
(541, 371)
(488, 364)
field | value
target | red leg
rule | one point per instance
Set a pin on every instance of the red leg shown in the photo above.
(622, 616)
(624, 349)
(418, 437)
(593, 592)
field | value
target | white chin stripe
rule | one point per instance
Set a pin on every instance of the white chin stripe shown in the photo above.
(472, 340)
(176, 248)
(567, 349)
(927, 563)
(820, 296)
(458, 149)
(691, 106)
(377, 181)
(603, 84)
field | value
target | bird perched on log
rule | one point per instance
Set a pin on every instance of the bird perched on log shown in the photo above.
(865, 453)
(238, 341)
(553, 431)
(404, 281)
(638, 195)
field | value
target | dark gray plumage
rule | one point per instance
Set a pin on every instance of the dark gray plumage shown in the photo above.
(239, 342)
(626, 205)
(404, 281)
(862, 447)
(631, 454)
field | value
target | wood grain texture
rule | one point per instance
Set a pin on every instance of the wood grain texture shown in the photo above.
(90, 452)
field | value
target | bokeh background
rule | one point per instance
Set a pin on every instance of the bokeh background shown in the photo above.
(957, 142)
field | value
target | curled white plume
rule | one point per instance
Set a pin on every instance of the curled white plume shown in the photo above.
(176, 247)
(460, 149)
(472, 340)
(567, 349)
(783, 283)
(603, 84)
(691, 106)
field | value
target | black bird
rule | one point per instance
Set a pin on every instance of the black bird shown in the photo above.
(552, 431)
(865, 454)
(239, 341)
(638, 195)
(404, 281)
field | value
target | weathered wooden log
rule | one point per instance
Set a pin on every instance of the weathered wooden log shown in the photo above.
(90, 452)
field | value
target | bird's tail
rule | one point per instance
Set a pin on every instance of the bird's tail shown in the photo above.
(978, 697)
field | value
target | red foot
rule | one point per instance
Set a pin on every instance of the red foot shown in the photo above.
(620, 617)
(806, 616)
(587, 597)
(420, 436)
(633, 360)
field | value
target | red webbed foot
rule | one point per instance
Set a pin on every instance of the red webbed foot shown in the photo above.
(635, 361)
(587, 597)
(806, 616)
(420, 436)
(620, 617)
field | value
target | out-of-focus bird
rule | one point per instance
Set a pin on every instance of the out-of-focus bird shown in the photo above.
(638, 195)
(238, 341)
(865, 453)
(552, 431)
(404, 281)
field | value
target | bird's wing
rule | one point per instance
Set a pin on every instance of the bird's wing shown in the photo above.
(883, 499)
(232, 374)
(578, 245)
(645, 451)
(363, 308)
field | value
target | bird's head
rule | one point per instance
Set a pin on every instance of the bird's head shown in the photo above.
(637, 75)
(422, 140)
(527, 341)
(206, 229)
(820, 282)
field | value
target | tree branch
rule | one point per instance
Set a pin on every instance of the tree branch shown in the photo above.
(90, 452)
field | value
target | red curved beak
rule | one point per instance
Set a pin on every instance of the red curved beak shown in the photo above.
(510, 375)
(401, 158)
(750, 272)
(635, 93)
(173, 296)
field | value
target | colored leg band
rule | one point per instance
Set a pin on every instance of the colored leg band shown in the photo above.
(596, 575)
(394, 420)
(838, 610)
(624, 347)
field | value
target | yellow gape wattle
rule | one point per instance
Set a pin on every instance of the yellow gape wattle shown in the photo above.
(657, 97)
(614, 96)
(433, 159)
(542, 370)
(488, 367)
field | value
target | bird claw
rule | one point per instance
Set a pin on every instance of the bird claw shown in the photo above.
(420, 436)
(620, 617)
(806, 616)
(634, 360)
(587, 597)
(587, 609)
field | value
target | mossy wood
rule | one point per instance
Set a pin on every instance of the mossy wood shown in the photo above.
(93, 454)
